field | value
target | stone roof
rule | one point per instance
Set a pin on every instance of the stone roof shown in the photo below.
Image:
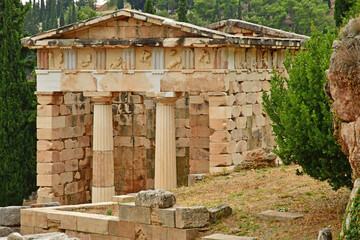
(260, 30)
(205, 36)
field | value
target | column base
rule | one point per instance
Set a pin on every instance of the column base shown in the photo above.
(102, 194)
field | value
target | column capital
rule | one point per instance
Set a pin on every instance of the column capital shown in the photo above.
(164, 97)
(101, 97)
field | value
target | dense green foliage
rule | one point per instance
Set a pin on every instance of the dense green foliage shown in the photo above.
(52, 14)
(182, 11)
(301, 116)
(344, 10)
(17, 110)
(149, 7)
(290, 15)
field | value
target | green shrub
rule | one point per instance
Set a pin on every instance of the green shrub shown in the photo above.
(301, 115)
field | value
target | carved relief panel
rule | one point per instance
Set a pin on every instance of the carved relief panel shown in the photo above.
(100, 59)
(43, 59)
(86, 58)
(158, 58)
(143, 58)
(56, 59)
(70, 59)
(173, 58)
(188, 58)
(240, 58)
(114, 59)
(204, 58)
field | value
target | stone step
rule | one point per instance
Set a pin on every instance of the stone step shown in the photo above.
(227, 237)
(279, 216)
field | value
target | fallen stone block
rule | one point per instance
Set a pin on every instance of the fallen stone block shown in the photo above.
(155, 199)
(219, 212)
(325, 234)
(279, 216)
(191, 217)
(10, 216)
(193, 178)
(41, 205)
(257, 158)
(227, 237)
(5, 231)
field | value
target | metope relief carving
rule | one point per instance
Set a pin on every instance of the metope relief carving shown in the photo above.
(145, 57)
(86, 60)
(264, 59)
(117, 64)
(204, 57)
(56, 59)
(176, 61)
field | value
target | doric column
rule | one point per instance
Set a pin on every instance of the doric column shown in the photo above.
(165, 145)
(103, 157)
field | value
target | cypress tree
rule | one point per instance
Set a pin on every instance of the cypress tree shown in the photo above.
(149, 7)
(42, 10)
(182, 11)
(120, 4)
(17, 110)
(217, 11)
(240, 10)
(342, 7)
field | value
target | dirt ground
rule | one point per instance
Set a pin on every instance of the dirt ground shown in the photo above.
(253, 191)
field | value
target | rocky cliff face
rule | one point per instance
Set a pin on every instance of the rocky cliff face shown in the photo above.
(344, 82)
(344, 89)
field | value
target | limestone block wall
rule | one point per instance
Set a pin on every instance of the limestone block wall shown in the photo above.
(64, 153)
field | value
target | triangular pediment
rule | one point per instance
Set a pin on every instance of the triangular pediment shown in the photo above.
(128, 24)
(247, 29)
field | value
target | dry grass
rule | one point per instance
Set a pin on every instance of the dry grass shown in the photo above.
(251, 192)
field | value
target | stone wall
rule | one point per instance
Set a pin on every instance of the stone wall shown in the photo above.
(64, 132)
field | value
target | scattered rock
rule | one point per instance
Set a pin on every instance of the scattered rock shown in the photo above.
(227, 237)
(191, 217)
(279, 216)
(5, 231)
(257, 158)
(155, 199)
(10, 216)
(219, 212)
(41, 205)
(48, 236)
(15, 236)
(193, 178)
(325, 234)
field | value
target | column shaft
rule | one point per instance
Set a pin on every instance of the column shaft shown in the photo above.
(103, 159)
(165, 148)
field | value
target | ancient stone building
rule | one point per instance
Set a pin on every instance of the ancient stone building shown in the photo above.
(131, 101)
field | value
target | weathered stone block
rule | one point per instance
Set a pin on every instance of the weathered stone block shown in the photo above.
(182, 234)
(155, 199)
(280, 216)
(48, 156)
(219, 112)
(122, 229)
(220, 136)
(90, 224)
(325, 234)
(47, 110)
(131, 213)
(191, 217)
(163, 217)
(10, 216)
(48, 180)
(219, 212)
(220, 160)
(43, 145)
